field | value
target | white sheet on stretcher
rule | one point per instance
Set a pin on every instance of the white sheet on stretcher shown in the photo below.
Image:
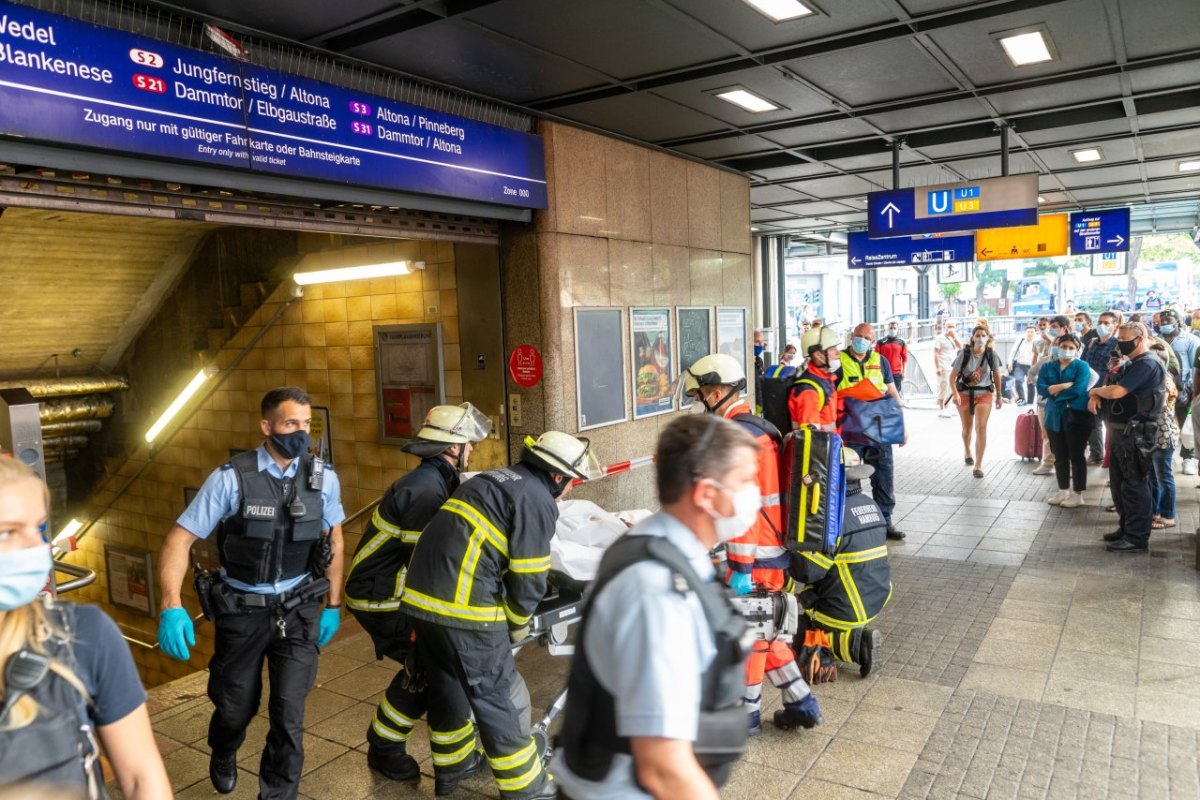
(583, 533)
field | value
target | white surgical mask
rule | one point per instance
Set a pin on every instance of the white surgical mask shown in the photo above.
(746, 503)
(23, 573)
(1067, 355)
(980, 341)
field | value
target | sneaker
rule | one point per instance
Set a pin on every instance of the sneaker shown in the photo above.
(1058, 497)
(1044, 470)
(447, 782)
(945, 414)
(1189, 466)
(1073, 500)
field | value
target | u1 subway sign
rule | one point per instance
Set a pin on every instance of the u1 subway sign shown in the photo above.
(1100, 231)
(73, 83)
(991, 203)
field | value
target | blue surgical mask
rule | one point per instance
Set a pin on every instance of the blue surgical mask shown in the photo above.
(1079, 327)
(1067, 354)
(860, 345)
(1054, 351)
(1103, 330)
(1166, 330)
(1055, 333)
(23, 573)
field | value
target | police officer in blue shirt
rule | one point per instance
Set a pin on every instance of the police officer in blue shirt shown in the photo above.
(278, 514)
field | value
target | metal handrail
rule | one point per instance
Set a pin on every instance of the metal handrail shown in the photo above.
(83, 577)
(144, 644)
(357, 515)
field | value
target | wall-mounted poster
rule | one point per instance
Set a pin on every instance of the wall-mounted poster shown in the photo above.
(694, 327)
(600, 367)
(653, 367)
(731, 336)
(408, 370)
(322, 441)
(130, 579)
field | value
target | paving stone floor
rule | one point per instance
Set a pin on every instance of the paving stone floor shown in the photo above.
(1021, 661)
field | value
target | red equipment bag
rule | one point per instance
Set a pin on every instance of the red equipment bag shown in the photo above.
(1029, 436)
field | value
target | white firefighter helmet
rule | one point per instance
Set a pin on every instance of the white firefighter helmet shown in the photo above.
(821, 338)
(716, 369)
(455, 424)
(566, 454)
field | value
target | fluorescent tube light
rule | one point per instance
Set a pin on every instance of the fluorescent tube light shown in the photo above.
(70, 529)
(747, 100)
(780, 10)
(384, 270)
(1189, 166)
(1026, 48)
(179, 402)
(1087, 154)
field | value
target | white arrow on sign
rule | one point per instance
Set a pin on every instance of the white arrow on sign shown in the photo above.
(855, 261)
(890, 209)
(1120, 240)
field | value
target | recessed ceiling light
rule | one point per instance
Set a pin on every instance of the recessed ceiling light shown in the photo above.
(1189, 166)
(748, 100)
(1041, 199)
(1087, 154)
(780, 10)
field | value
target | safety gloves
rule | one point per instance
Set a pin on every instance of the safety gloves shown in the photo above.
(176, 632)
(331, 618)
(741, 583)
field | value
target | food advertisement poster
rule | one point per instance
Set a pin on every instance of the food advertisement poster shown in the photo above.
(652, 365)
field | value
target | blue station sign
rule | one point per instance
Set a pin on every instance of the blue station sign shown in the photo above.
(70, 82)
(991, 203)
(864, 252)
(1100, 231)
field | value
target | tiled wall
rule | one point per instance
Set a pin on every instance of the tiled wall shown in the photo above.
(626, 226)
(322, 343)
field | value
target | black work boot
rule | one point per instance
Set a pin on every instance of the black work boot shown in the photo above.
(1113, 536)
(222, 771)
(894, 534)
(868, 644)
(805, 714)
(393, 763)
(548, 790)
(446, 781)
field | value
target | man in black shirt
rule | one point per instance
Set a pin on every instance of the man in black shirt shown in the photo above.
(1132, 402)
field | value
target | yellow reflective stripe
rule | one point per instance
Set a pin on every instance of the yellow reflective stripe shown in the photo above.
(388, 733)
(394, 715)
(831, 622)
(514, 760)
(815, 385)
(455, 610)
(819, 559)
(844, 641)
(369, 549)
(466, 570)
(521, 781)
(476, 517)
(852, 593)
(529, 564)
(863, 555)
(450, 737)
(372, 605)
(384, 526)
(515, 618)
(447, 759)
(802, 518)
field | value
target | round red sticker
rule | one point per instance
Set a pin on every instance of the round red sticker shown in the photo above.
(525, 366)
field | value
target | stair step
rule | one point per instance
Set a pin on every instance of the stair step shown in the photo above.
(252, 293)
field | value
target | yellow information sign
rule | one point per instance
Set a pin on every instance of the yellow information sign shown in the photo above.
(1050, 237)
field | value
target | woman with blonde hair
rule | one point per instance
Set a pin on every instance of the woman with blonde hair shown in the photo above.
(65, 672)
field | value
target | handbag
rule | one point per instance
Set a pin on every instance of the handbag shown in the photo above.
(878, 422)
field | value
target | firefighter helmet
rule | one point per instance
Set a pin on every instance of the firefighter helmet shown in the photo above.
(565, 454)
(821, 338)
(448, 425)
(716, 369)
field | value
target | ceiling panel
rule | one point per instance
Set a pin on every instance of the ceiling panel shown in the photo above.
(723, 148)
(946, 152)
(1165, 77)
(794, 99)
(1056, 94)
(1100, 175)
(297, 19)
(1109, 193)
(875, 73)
(916, 7)
(1161, 144)
(835, 186)
(479, 61)
(1113, 151)
(1170, 25)
(989, 166)
(819, 209)
(642, 116)
(764, 195)
(600, 34)
(931, 115)
(767, 214)
(1167, 119)
(754, 31)
(1165, 169)
(874, 161)
(791, 171)
(1180, 184)
(1049, 135)
(838, 130)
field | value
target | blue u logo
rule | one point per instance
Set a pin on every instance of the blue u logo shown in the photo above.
(939, 202)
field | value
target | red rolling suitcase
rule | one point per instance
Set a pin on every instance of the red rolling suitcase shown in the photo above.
(1029, 436)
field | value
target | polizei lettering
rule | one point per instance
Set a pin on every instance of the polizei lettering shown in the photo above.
(260, 512)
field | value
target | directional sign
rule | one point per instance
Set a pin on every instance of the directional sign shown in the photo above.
(866, 253)
(954, 273)
(1047, 238)
(989, 203)
(1108, 264)
(1100, 231)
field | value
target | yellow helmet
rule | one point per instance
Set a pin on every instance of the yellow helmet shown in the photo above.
(565, 454)
(821, 338)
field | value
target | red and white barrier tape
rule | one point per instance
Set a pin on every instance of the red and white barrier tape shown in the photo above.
(621, 466)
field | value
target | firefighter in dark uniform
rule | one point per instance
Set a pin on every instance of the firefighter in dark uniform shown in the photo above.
(478, 572)
(279, 514)
(843, 595)
(377, 572)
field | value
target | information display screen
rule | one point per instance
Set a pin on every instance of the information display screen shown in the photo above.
(71, 82)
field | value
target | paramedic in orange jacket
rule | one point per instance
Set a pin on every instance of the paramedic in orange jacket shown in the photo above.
(757, 558)
(814, 395)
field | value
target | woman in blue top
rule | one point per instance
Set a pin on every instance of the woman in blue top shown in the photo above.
(1064, 384)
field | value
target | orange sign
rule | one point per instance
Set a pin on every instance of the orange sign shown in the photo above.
(1048, 238)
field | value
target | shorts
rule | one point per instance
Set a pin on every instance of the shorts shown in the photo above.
(981, 399)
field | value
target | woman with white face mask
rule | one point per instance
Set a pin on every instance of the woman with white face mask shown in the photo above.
(1064, 384)
(67, 673)
(975, 378)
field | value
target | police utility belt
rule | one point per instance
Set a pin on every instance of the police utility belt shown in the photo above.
(218, 598)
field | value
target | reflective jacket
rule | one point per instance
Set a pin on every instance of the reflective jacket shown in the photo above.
(272, 536)
(849, 590)
(813, 400)
(381, 560)
(484, 558)
(855, 372)
(760, 550)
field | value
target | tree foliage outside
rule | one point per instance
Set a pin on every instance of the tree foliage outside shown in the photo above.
(949, 291)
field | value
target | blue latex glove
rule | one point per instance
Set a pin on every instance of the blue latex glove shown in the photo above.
(740, 582)
(176, 633)
(331, 618)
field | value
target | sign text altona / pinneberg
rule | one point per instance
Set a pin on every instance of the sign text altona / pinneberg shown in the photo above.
(864, 252)
(1100, 231)
(989, 203)
(69, 82)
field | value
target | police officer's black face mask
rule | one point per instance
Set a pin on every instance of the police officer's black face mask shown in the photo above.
(290, 445)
